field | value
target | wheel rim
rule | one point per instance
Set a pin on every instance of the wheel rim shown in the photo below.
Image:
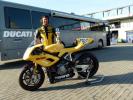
(86, 65)
(90, 64)
(29, 78)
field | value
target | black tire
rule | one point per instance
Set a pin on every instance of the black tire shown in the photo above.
(100, 44)
(82, 60)
(26, 75)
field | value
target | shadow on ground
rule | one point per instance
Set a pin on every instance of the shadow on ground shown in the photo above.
(116, 53)
(114, 79)
(12, 65)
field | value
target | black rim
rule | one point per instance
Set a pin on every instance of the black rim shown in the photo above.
(88, 62)
(31, 79)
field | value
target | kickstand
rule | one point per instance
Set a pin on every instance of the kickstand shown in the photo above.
(98, 79)
(87, 77)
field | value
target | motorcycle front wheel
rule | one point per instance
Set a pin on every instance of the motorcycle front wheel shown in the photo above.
(87, 62)
(29, 79)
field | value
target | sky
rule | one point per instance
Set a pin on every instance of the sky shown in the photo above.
(76, 6)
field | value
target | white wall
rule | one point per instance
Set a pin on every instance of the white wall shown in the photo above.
(126, 25)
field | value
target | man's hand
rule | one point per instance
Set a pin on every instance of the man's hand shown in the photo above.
(38, 41)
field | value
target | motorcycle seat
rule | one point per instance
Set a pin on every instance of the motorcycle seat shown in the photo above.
(72, 45)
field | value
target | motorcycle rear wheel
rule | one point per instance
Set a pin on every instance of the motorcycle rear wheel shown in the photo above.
(88, 60)
(29, 80)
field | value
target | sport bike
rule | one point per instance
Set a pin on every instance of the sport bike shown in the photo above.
(57, 62)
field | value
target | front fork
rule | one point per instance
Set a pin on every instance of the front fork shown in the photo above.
(35, 69)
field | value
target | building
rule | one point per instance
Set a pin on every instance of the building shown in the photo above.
(120, 21)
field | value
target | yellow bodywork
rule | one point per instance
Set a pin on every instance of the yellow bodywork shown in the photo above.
(52, 53)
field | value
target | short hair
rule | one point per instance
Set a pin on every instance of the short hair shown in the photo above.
(42, 18)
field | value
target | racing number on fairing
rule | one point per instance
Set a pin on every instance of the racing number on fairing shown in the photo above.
(84, 40)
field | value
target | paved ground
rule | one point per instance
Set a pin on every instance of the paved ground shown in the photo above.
(116, 64)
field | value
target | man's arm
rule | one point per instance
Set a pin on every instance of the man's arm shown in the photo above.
(37, 37)
(53, 31)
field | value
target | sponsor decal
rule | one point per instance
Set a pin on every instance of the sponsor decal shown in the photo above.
(18, 34)
(63, 76)
(40, 58)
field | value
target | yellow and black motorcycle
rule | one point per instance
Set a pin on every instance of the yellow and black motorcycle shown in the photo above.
(60, 62)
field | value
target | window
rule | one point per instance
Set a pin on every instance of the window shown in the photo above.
(63, 23)
(36, 16)
(69, 24)
(17, 18)
(115, 25)
(97, 27)
(85, 25)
